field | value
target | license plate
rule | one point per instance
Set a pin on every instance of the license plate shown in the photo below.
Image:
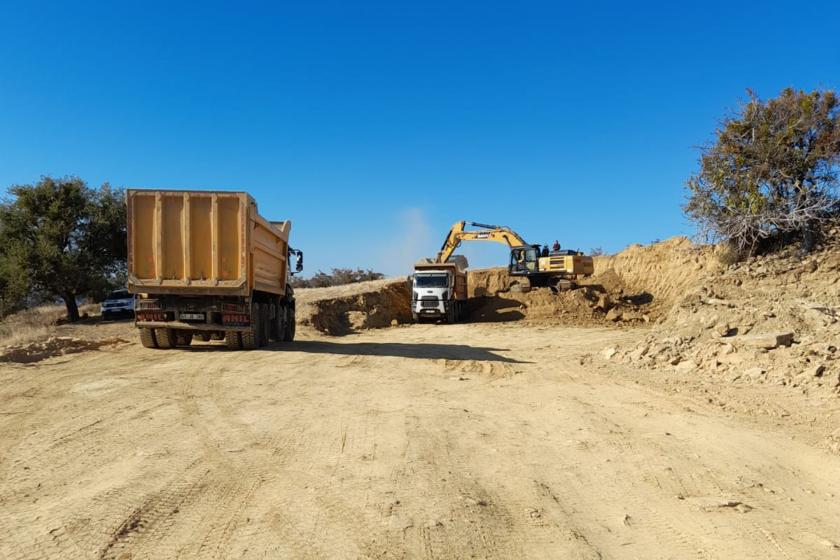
(192, 316)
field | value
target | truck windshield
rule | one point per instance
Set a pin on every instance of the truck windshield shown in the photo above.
(430, 280)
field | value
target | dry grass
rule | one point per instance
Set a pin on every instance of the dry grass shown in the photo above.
(36, 323)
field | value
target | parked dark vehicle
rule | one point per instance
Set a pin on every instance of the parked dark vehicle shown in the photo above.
(119, 303)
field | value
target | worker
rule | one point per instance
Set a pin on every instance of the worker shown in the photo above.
(545, 250)
(556, 246)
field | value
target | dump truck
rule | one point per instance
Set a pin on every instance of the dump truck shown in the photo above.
(206, 265)
(439, 290)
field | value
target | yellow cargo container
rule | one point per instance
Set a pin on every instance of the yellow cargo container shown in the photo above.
(206, 263)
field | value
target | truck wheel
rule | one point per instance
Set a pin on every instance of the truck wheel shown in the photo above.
(415, 317)
(265, 324)
(233, 340)
(279, 322)
(147, 338)
(183, 338)
(253, 338)
(289, 335)
(165, 338)
(249, 340)
(450, 315)
(276, 324)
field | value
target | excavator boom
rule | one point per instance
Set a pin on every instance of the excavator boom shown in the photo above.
(458, 233)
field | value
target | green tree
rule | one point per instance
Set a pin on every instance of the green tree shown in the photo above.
(772, 169)
(66, 239)
(14, 283)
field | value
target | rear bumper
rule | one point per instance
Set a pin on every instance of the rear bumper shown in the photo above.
(181, 325)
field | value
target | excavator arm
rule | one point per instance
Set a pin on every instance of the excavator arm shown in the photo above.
(458, 233)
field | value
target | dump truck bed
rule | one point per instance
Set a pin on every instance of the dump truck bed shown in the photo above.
(203, 243)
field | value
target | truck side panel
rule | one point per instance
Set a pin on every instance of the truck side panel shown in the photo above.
(270, 255)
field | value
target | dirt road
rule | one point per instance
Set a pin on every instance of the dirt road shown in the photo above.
(486, 441)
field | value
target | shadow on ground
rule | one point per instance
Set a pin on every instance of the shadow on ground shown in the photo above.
(398, 350)
(392, 349)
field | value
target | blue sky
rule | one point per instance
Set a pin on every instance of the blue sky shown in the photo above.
(376, 125)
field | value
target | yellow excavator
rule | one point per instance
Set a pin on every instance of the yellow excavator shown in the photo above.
(529, 266)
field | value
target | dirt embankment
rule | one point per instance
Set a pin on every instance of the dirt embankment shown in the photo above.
(341, 310)
(663, 272)
(601, 299)
(770, 320)
(355, 307)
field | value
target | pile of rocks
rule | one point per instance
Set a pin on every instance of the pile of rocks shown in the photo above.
(769, 320)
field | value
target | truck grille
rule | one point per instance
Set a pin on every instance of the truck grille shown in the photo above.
(428, 302)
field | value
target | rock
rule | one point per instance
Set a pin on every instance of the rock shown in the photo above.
(815, 371)
(675, 360)
(718, 301)
(614, 314)
(819, 315)
(686, 366)
(639, 352)
(608, 353)
(768, 341)
(754, 373)
(604, 302)
(723, 329)
(810, 266)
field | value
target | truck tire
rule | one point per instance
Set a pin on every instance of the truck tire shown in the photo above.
(450, 314)
(266, 324)
(165, 338)
(252, 338)
(233, 340)
(279, 322)
(183, 338)
(289, 334)
(147, 338)
(276, 323)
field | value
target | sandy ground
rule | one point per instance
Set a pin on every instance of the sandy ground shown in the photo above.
(485, 441)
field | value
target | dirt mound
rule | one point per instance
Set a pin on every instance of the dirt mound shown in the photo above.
(601, 299)
(487, 282)
(54, 346)
(342, 310)
(769, 320)
(664, 271)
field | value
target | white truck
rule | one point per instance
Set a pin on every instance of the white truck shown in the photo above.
(439, 290)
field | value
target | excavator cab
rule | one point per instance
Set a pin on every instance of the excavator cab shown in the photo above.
(524, 261)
